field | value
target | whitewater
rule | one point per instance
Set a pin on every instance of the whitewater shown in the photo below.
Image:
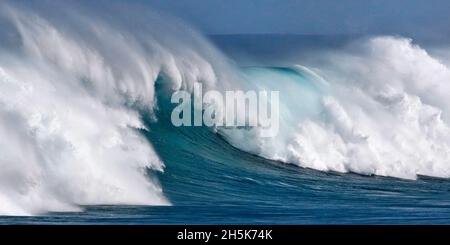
(81, 91)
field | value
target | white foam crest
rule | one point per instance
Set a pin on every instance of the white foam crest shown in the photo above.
(70, 92)
(384, 111)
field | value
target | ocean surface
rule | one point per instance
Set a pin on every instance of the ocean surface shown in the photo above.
(210, 182)
(85, 121)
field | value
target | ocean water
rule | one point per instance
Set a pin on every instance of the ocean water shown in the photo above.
(210, 182)
(87, 138)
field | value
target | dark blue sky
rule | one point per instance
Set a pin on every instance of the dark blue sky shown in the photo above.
(418, 17)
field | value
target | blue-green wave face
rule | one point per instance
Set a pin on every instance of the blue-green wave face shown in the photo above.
(85, 120)
(300, 91)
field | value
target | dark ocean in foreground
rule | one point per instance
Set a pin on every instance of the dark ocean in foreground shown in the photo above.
(208, 181)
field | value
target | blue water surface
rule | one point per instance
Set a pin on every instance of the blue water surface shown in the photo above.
(210, 182)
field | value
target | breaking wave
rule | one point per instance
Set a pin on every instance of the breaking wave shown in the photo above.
(76, 84)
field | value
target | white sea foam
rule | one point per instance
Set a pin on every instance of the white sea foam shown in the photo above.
(70, 92)
(385, 112)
